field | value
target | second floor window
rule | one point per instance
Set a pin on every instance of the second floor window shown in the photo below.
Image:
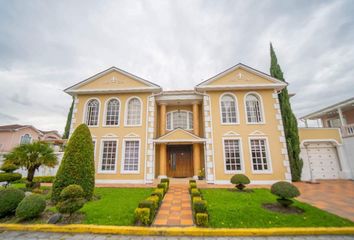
(112, 113)
(133, 116)
(253, 109)
(92, 110)
(228, 109)
(179, 119)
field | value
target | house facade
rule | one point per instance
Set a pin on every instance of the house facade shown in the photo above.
(228, 124)
(328, 148)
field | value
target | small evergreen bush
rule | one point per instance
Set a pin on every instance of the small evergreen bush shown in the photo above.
(155, 200)
(196, 199)
(31, 206)
(240, 180)
(71, 199)
(165, 180)
(200, 206)
(148, 204)
(195, 192)
(142, 215)
(202, 219)
(191, 186)
(8, 167)
(77, 166)
(192, 181)
(285, 191)
(158, 192)
(9, 200)
(10, 177)
(164, 186)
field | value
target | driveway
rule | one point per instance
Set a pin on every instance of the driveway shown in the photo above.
(335, 196)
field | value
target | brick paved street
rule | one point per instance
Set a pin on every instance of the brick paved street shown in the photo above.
(65, 236)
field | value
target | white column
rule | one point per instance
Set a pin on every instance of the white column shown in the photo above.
(341, 117)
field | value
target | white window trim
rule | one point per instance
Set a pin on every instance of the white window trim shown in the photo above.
(241, 155)
(31, 138)
(188, 123)
(126, 113)
(269, 158)
(99, 170)
(105, 113)
(236, 105)
(99, 113)
(122, 171)
(94, 147)
(261, 105)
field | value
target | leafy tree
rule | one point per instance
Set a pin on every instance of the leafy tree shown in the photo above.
(77, 166)
(68, 121)
(289, 121)
(31, 156)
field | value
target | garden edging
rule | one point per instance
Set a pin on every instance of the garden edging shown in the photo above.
(177, 231)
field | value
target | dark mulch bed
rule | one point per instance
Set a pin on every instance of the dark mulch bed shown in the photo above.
(276, 207)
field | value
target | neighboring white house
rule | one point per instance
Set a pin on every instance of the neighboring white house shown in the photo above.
(330, 158)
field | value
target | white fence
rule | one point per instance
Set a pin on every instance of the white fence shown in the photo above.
(42, 171)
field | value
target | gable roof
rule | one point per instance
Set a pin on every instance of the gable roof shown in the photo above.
(17, 127)
(179, 135)
(151, 87)
(275, 83)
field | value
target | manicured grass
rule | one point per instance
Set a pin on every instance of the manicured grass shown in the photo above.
(115, 207)
(244, 210)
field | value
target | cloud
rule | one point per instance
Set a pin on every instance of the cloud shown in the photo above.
(47, 46)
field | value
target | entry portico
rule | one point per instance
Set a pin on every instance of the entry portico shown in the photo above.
(179, 144)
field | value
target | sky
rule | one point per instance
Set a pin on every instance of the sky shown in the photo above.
(47, 46)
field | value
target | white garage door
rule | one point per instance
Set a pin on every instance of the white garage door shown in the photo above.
(323, 161)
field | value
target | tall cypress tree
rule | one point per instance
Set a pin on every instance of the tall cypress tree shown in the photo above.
(68, 122)
(289, 121)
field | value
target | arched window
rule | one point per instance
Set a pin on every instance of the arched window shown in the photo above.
(92, 110)
(228, 109)
(253, 109)
(133, 116)
(179, 119)
(112, 112)
(25, 139)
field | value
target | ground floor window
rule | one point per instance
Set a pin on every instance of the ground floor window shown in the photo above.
(232, 155)
(131, 156)
(109, 156)
(259, 155)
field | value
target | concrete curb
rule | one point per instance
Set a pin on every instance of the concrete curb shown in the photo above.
(177, 231)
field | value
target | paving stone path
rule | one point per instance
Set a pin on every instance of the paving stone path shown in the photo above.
(9, 235)
(176, 208)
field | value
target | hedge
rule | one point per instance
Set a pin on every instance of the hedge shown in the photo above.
(199, 206)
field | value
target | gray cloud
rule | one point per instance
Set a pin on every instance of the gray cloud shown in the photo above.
(47, 46)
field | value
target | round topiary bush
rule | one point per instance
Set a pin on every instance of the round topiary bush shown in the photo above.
(240, 180)
(285, 191)
(77, 166)
(71, 199)
(9, 177)
(31, 206)
(8, 167)
(9, 200)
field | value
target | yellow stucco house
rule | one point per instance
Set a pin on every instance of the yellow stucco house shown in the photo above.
(230, 123)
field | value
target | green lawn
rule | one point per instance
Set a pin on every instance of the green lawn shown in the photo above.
(115, 207)
(244, 210)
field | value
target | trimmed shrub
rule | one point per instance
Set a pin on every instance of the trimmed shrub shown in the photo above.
(31, 206)
(195, 192)
(8, 167)
(77, 166)
(10, 177)
(192, 181)
(156, 201)
(44, 179)
(165, 180)
(285, 191)
(196, 199)
(71, 199)
(158, 192)
(9, 200)
(164, 186)
(202, 219)
(150, 205)
(142, 215)
(191, 186)
(200, 206)
(240, 180)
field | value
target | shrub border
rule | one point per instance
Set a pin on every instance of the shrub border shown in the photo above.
(193, 185)
(178, 231)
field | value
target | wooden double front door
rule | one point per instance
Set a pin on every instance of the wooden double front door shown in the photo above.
(179, 161)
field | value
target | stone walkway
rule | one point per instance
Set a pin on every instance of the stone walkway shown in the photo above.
(335, 196)
(176, 207)
(66, 236)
